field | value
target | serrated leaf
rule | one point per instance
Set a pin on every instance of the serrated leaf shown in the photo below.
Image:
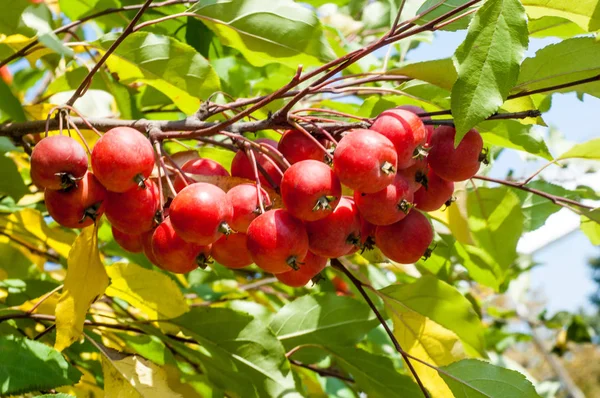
(590, 225)
(238, 353)
(496, 222)
(440, 72)
(514, 135)
(29, 225)
(168, 65)
(586, 150)
(479, 379)
(564, 62)
(553, 27)
(86, 281)
(537, 209)
(583, 12)
(488, 62)
(322, 319)
(265, 32)
(29, 365)
(139, 286)
(445, 7)
(443, 304)
(426, 340)
(374, 374)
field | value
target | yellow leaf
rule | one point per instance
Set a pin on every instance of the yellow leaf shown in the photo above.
(428, 341)
(133, 376)
(86, 281)
(85, 388)
(48, 307)
(153, 293)
(29, 225)
(17, 42)
(38, 111)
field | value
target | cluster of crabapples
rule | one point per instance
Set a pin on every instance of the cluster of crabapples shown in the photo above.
(391, 172)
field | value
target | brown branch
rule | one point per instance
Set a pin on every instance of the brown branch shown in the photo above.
(557, 200)
(322, 371)
(88, 79)
(359, 285)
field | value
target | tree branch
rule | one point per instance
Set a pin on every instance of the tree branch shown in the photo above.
(322, 371)
(359, 285)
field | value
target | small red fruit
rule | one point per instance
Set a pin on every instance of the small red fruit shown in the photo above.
(79, 206)
(416, 175)
(365, 160)
(310, 190)
(147, 247)
(437, 193)
(173, 253)
(201, 213)
(310, 267)
(405, 241)
(455, 164)
(367, 234)
(337, 234)
(417, 110)
(244, 200)
(296, 147)
(406, 131)
(232, 251)
(133, 211)
(131, 243)
(277, 241)
(242, 167)
(57, 162)
(387, 206)
(5, 74)
(202, 167)
(122, 158)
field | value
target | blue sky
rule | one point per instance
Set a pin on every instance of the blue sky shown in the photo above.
(563, 279)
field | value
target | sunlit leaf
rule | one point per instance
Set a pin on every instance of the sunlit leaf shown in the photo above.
(584, 12)
(86, 281)
(590, 225)
(586, 150)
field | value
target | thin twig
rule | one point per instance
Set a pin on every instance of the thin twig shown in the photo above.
(44, 298)
(322, 371)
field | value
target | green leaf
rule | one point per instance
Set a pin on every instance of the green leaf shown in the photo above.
(587, 150)
(39, 18)
(481, 379)
(172, 67)
(496, 222)
(322, 319)
(445, 7)
(10, 107)
(59, 395)
(239, 353)
(515, 135)
(374, 374)
(268, 31)
(443, 304)
(584, 13)
(11, 181)
(553, 27)
(537, 209)
(10, 18)
(488, 62)
(565, 62)
(22, 290)
(29, 365)
(482, 266)
(590, 225)
(440, 72)
(75, 9)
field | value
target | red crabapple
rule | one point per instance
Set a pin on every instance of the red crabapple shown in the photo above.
(147, 247)
(241, 165)
(203, 167)
(437, 193)
(244, 200)
(338, 233)
(79, 206)
(201, 213)
(417, 110)
(407, 240)
(133, 211)
(416, 175)
(387, 206)
(365, 160)
(406, 131)
(310, 267)
(173, 253)
(277, 241)
(232, 251)
(57, 162)
(455, 164)
(131, 243)
(296, 147)
(310, 190)
(122, 159)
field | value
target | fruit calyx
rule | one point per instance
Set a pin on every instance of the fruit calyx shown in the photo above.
(293, 262)
(421, 152)
(140, 180)
(484, 156)
(323, 203)
(225, 229)
(67, 180)
(405, 206)
(428, 252)
(91, 212)
(388, 168)
(203, 260)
